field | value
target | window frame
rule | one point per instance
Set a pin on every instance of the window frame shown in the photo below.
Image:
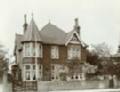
(32, 71)
(54, 53)
(73, 52)
(32, 49)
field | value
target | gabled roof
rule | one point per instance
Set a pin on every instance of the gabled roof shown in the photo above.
(49, 34)
(52, 34)
(32, 33)
(70, 34)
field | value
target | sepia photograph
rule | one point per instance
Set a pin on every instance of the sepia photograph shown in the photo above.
(60, 46)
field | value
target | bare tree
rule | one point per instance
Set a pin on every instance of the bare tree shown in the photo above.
(102, 50)
(92, 58)
(3, 61)
(98, 55)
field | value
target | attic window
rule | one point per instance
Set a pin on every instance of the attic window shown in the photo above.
(74, 38)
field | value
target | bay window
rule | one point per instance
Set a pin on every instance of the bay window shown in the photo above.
(32, 49)
(30, 72)
(27, 49)
(40, 72)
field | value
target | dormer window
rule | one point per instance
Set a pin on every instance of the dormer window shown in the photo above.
(32, 49)
(54, 52)
(73, 52)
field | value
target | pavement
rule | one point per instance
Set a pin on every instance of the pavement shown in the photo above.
(90, 90)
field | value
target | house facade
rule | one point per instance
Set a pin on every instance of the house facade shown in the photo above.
(49, 54)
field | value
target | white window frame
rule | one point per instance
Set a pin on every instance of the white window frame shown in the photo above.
(74, 42)
(54, 52)
(31, 70)
(38, 50)
(80, 76)
(27, 49)
(56, 70)
(73, 52)
(53, 72)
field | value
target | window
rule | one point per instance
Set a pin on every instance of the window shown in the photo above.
(32, 50)
(27, 72)
(36, 50)
(76, 77)
(27, 49)
(72, 77)
(53, 72)
(54, 52)
(40, 50)
(40, 71)
(30, 72)
(27, 67)
(34, 75)
(56, 71)
(27, 75)
(52, 78)
(52, 67)
(73, 52)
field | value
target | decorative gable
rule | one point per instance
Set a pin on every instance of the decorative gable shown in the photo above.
(73, 38)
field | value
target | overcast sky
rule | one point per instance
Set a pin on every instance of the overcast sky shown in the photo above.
(99, 19)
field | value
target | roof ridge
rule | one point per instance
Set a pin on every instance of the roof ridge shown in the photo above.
(52, 25)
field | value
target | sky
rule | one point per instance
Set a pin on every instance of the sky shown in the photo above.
(99, 19)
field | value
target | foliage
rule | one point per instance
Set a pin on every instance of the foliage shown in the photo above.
(98, 52)
(113, 69)
(97, 55)
(102, 50)
(92, 58)
(63, 76)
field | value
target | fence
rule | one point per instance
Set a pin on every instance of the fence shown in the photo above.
(45, 86)
(24, 86)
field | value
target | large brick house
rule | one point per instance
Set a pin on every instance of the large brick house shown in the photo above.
(50, 54)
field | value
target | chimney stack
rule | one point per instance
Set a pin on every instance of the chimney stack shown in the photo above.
(76, 26)
(25, 24)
